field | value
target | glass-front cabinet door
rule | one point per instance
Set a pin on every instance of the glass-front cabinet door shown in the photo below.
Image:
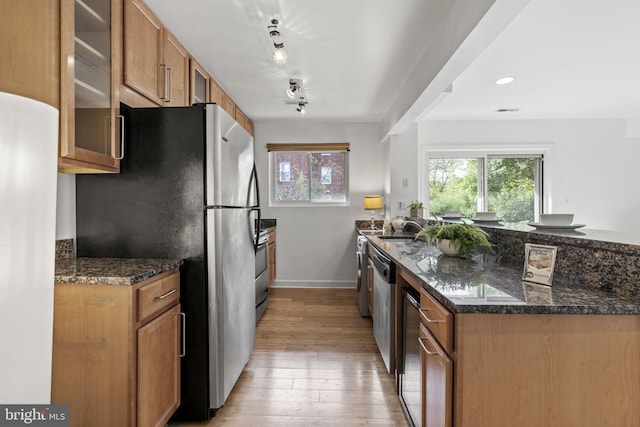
(90, 125)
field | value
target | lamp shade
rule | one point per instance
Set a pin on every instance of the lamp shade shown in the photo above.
(372, 202)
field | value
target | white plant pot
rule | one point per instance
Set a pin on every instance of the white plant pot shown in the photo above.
(448, 248)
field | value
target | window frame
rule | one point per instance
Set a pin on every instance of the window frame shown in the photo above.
(544, 151)
(307, 149)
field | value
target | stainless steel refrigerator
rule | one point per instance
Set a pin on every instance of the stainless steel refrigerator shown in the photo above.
(187, 189)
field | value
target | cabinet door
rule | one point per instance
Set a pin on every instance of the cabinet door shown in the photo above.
(216, 94)
(89, 121)
(143, 43)
(437, 382)
(198, 83)
(159, 369)
(176, 62)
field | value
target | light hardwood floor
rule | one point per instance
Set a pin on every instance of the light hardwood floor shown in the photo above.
(315, 364)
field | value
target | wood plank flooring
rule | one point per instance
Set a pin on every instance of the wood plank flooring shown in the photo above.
(316, 364)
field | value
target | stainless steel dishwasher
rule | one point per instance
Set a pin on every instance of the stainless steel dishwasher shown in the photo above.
(384, 302)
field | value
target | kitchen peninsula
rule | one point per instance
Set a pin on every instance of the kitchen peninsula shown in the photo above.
(498, 351)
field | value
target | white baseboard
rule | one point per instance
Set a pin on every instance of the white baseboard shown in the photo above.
(332, 284)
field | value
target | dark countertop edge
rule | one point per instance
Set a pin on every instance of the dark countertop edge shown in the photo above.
(604, 309)
(104, 273)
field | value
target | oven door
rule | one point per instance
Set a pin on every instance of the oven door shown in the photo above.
(262, 281)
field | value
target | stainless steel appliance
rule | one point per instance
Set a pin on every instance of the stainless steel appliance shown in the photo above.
(384, 302)
(362, 276)
(187, 189)
(28, 170)
(262, 275)
(409, 374)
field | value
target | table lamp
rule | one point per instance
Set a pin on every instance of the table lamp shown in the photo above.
(372, 203)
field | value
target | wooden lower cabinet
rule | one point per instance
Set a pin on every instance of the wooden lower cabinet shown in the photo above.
(437, 382)
(271, 256)
(116, 352)
(526, 370)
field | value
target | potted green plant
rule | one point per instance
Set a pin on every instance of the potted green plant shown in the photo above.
(415, 208)
(455, 239)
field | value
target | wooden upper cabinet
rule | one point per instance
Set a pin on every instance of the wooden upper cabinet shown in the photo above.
(228, 105)
(155, 63)
(176, 67)
(199, 83)
(216, 94)
(30, 50)
(91, 34)
(66, 53)
(143, 43)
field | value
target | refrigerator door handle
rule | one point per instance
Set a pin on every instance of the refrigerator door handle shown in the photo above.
(256, 228)
(255, 184)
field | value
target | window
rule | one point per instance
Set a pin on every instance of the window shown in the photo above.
(510, 185)
(309, 174)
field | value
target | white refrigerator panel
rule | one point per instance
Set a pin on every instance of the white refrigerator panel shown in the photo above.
(28, 167)
(229, 159)
(232, 309)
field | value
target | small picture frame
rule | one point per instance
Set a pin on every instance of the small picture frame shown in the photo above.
(539, 262)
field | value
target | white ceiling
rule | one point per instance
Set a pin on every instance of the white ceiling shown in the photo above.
(571, 58)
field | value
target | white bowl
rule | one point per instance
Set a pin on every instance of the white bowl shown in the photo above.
(556, 219)
(451, 214)
(486, 216)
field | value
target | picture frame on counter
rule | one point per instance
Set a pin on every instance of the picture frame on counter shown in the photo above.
(539, 263)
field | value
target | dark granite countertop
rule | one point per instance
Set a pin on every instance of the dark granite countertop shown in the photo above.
(485, 285)
(110, 271)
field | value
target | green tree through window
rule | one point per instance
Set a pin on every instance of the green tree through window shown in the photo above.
(458, 183)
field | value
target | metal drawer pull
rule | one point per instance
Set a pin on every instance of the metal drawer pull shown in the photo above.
(424, 347)
(172, 291)
(121, 138)
(426, 318)
(169, 96)
(184, 328)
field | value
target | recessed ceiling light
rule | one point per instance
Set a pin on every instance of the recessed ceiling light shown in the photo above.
(505, 80)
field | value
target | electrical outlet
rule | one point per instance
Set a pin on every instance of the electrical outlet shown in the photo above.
(402, 204)
(405, 182)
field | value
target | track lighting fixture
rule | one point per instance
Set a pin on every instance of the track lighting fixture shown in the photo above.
(279, 55)
(295, 86)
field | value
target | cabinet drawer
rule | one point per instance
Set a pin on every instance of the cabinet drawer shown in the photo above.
(156, 296)
(438, 319)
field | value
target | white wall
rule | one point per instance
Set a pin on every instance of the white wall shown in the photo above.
(591, 172)
(403, 165)
(316, 245)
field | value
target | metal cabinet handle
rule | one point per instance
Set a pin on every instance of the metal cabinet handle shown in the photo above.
(169, 79)
(121, 156)
(183, 351)
(424, 347)
(423, 314)
(172, 291)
